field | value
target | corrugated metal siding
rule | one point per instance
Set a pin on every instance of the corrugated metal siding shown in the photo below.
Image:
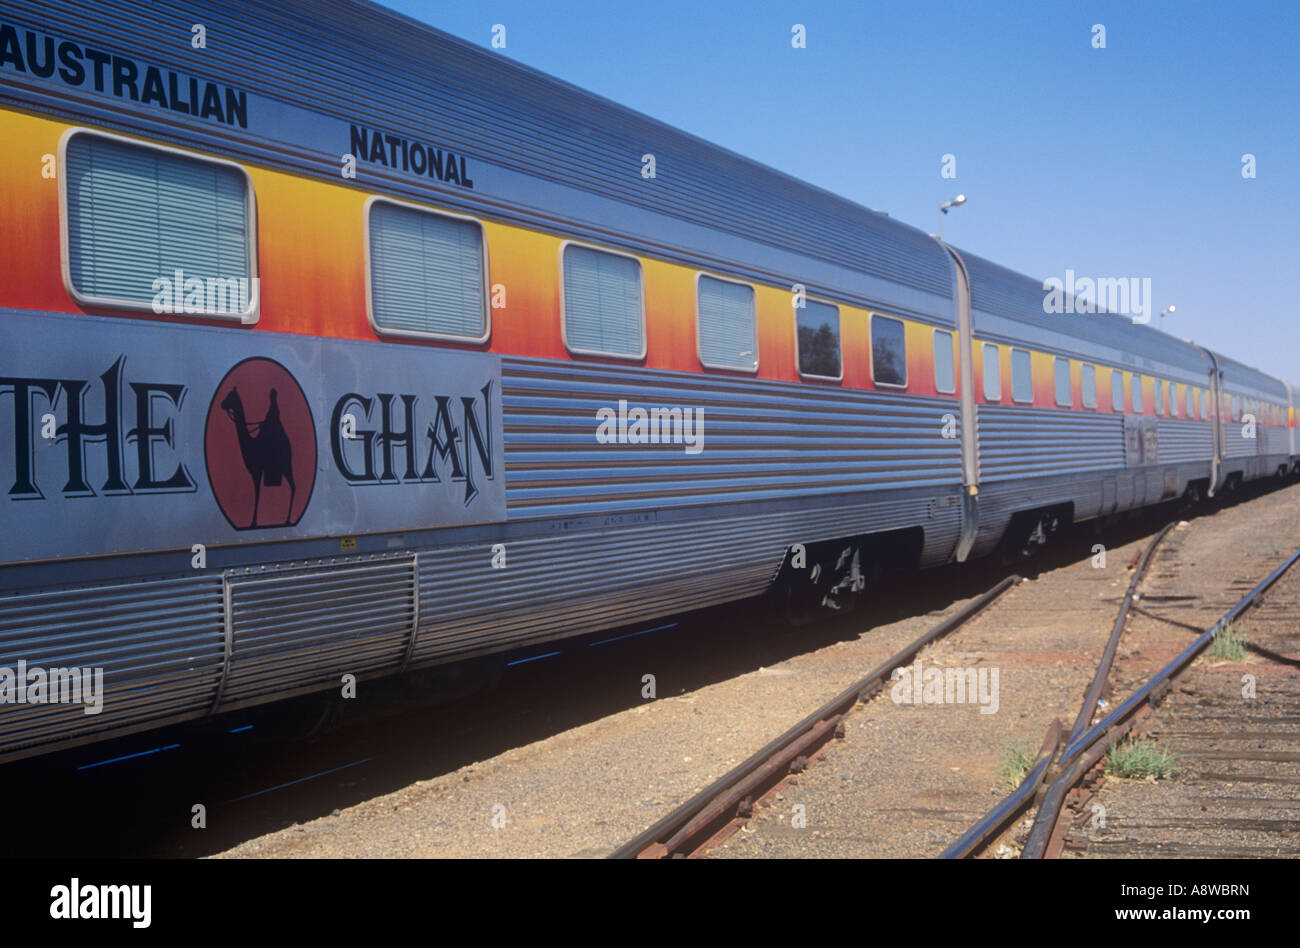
(1033, 442)
(1242, 379)
(159, 643)
(762, 440)
(308, 627)
(566, 585)
(1181, 440)
(1235, 445)
(998, 291)
(1275, 441)
(406, 77)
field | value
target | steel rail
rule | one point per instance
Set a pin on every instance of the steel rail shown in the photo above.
(1018, 799)
(696, 820)
(1093, 694)
(1049, 811)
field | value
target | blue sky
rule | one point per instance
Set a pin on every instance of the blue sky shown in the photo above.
(1117, 162)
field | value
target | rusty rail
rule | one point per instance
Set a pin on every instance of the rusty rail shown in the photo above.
(689, 827)
(1016, 801)
(1090, 698)
(1085, 750)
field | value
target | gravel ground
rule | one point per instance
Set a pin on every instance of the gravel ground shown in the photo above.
(907, 779)
(1235, 790)
(910, 778)
(585, 791)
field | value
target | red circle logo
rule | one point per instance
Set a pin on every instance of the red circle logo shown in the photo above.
(260, 446)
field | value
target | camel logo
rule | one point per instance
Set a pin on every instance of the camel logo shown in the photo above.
(260, 446)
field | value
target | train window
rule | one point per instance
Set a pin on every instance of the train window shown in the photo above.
(1236, 409)
(727, 324)
(1116, 390)
(1158, 396)
(427, 273)
(992, 374)
(1197, 404)
(1191, 402)
(1171, 399)
(888, 351)
(137, 216)
(818, 329)
(945, 366)
(1064, 397)
(1137, 393)
(1022, 382)
(1088, 382)
(603, 302)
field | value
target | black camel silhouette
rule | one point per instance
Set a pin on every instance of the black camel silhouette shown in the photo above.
(267, 454)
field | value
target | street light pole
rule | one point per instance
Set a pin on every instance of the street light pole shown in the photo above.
(1164, 312)
(958, 201)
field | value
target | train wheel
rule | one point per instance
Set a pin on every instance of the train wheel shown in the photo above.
(833, 584)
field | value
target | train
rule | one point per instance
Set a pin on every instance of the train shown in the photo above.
(334, 348)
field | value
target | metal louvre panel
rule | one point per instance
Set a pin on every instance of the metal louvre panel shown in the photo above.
(305, 627)
(159, 643)
(568, 585)
(407, 77)
(1181, 440)
(1031, 442)
(761, 440)
(136, 214)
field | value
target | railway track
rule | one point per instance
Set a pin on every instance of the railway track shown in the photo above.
(974, 839)
(1235, 728)
(714, 813)
(1208, 736)
(252, 789)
